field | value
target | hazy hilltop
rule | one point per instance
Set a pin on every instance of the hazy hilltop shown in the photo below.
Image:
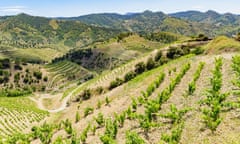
(187, 23)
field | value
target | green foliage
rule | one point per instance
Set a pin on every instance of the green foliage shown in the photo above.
(175, 52)
(121, 36)
(214, 100)
(175, 136)
(86, 94)
(100, 119)
(236, 69)
(158, 56)
(83, 136)
(191, 88)
(140, 68)
(87, 111)
(110, 132)
(120, 118)
(37, 74)
(128, 76)
(222, 44)
(133, 138)
(14, 92)
(105, 139)
(151, 108)
(175, 115)
(77, 117)
(192, 84)
(68, 126)
(44, 133)
(107, 101)
(150, 64)
(115, 83)
(164, 37)
(99, 104)
(45, 78)
(18, 138)
(134, 104)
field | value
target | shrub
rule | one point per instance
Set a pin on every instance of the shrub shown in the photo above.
(100, 90)
(45, 79)
(158, 56)
(115, 83)
(140, 68)
(128, 76)
(86, 94)
(150, 64)
(37, 74)
(174, 52)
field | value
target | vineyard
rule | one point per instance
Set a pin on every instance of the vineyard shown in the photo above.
(17, 119)
(193, 99)
(64, 73)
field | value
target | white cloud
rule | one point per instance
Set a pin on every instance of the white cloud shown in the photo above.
(14, 10)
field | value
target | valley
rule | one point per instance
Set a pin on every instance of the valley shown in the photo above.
(108, 78)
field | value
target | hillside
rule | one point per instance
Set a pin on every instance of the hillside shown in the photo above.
(27, 32)
(222, 44)
(222, 23)
(187, 23)
(139, 78)
(156, 105)
(113, 53)
(143, 22)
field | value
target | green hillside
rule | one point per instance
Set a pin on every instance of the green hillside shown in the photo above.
(222, 44)
(55, 36)
(139, 78)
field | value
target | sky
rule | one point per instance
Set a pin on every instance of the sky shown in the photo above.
(70, 8)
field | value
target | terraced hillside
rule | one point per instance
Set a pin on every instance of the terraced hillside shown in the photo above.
(188, 100)
(18, 115)
(64, 73)
(161, 106)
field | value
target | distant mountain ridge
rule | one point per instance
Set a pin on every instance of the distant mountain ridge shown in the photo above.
(187, 23)
(210, 17)
(27, 31)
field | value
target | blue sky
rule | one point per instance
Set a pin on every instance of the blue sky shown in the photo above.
(67, 8)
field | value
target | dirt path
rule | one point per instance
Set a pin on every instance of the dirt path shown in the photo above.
(64, 102)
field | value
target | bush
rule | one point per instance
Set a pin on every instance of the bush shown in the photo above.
(115, 83)
(140, 68)
(86, 94)
(174, 52)
(158, 56)
(198, 51)
(150, 64)
(37, 74)
(128, 76)
(45, 79)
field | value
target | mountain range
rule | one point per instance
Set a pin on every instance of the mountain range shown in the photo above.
(62, 34)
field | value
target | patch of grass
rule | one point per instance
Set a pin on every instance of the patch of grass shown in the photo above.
(222, 44)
